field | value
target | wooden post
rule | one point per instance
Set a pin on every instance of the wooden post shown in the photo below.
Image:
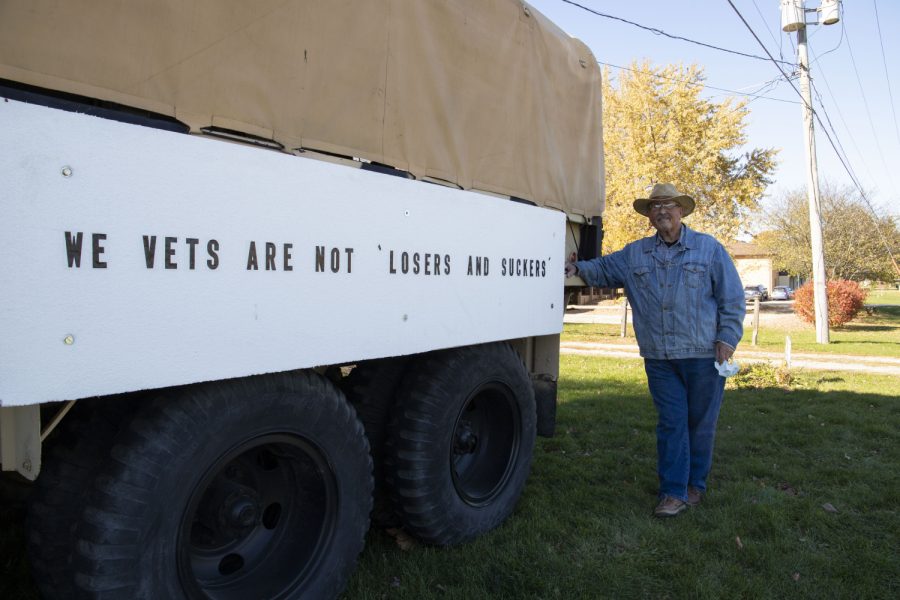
(755, 319)
(624, 329)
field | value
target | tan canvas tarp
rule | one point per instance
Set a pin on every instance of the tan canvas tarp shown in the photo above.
(487, 94)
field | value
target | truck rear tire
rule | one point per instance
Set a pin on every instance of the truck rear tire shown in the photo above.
(460, 442)
(230, 490)
(371, 387)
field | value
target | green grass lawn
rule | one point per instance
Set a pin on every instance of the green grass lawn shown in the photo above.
(583, 528)
(883, 297)
(877, 334)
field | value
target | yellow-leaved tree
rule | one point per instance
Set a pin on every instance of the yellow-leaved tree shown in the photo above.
(657, 128)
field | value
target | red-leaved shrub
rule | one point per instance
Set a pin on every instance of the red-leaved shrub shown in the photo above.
(845, 300)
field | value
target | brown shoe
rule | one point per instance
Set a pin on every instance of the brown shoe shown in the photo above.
(695, 496)
(669, 507)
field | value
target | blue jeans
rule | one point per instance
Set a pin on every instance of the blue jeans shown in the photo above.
(688, 394)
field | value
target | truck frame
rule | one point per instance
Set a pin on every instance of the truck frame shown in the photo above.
(235, 331)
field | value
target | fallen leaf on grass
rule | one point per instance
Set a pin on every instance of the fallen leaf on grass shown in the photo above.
(395, 582)
(737, 540)
(787, 489)
(403, 539)
(829, 507)
(796, 576)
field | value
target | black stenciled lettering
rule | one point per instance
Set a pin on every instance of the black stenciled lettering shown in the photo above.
(212, 248)
(470, 271)
(335, 260)
(287, 257)
(349, 252)
(415, 260)
(391, 268)
(192, 251)
(543, 268)
(404, 262)
(73, 248)
(503, 266)
(487, 266)
(320, 259)
(428, 263)
(252, 262)
(437, 264)
(97, 250)
(170, 252)
(149, 250)
(446, 264)
(270, 256)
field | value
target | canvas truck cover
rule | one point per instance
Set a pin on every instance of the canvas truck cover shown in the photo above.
(485, 94)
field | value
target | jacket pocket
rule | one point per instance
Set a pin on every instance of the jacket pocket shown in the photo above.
(641, 275)
(694, 275)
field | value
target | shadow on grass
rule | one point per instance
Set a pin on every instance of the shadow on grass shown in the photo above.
(802, 485)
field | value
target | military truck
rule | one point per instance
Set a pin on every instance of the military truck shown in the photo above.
(270, 264)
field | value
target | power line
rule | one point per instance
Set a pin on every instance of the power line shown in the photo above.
(843, 120)
(828, 137)
(840, 41)
(769, 29)
(862, 94)
(668, 35)
(831, 125)
(887, 77)
(766, 50)
(703, 85)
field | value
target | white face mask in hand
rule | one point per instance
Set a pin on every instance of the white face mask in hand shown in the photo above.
(727, 369)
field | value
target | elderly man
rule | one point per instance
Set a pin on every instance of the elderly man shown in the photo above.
(689, 307)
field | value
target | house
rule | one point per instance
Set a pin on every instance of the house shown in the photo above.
(756, 266)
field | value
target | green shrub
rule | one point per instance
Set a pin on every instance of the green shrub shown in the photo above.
(845, 300)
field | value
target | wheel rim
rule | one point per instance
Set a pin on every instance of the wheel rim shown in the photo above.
(258, 521)
(485, 444)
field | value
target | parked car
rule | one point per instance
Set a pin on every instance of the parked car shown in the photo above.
(782, 292)
(756, 291)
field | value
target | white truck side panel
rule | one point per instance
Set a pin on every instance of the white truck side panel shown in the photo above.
(113, 323)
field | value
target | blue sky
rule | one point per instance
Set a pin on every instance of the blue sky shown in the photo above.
(857, 100)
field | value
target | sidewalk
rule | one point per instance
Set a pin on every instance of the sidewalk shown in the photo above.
(819, 361)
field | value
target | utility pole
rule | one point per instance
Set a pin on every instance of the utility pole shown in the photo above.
(820, 291)
(793, 18)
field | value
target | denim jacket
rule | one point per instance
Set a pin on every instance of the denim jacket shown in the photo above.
(684, 298)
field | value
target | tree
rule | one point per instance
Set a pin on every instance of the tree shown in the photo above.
(854, 248)
(657, 128)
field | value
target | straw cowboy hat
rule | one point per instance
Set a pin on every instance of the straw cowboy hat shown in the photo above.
(662, 192)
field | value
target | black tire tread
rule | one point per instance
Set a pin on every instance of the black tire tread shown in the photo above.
(371, 387)
(108, 558)
(73, 455)
(416, 467)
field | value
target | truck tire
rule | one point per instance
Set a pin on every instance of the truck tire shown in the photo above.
(73, 455)
(371, 387)
(460, 442)
(230, 490)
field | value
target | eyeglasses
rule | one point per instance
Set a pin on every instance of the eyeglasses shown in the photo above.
(665, 205)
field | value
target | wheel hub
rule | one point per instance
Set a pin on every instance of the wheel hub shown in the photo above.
(466, 441)
(240, 511)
